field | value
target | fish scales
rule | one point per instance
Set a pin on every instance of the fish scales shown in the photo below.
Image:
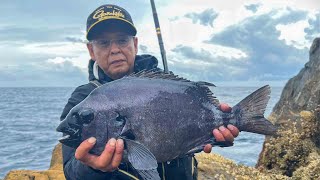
(158, 110)
(160, 117)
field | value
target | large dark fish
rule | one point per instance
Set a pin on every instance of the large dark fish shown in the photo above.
(160, 117)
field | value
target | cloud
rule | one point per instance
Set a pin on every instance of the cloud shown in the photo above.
(241, 46)
(189, 52)
(288, 15)
(205, 18)
(208, 62)
(253, 7)
(143, 48)
(213, 70)
(208, 51)
(252, 49)
(41, 21)
(268, 57)
(293, 34)
(54, 48)
(36, 33)
(44, 74)
(76, 40)
(313, 30)
(21, 52)
(61, 12)
(43, 64)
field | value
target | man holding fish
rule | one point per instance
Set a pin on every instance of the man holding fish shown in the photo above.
(113, 50)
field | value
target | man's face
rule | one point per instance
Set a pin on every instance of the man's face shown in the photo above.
(114, 52)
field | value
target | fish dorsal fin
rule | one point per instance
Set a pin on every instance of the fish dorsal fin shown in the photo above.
(157, 74)
(213, 99)
(205, 86)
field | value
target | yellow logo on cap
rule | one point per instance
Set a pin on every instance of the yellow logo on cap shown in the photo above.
(100, 14)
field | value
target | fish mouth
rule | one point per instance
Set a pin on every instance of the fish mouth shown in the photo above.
(70, 141)
(72, 127)
(72, 136)
(64, 137)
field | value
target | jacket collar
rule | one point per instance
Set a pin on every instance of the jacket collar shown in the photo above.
(142, 62)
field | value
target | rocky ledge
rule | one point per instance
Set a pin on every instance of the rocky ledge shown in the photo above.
(211, 166)
(55, 171)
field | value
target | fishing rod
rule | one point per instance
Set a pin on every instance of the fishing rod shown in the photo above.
(157, 26)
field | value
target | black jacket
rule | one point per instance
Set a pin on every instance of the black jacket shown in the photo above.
(183, 168)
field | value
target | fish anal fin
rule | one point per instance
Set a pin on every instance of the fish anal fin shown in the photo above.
(211, 141)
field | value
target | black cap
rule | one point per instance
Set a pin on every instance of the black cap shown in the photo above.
(107, 16)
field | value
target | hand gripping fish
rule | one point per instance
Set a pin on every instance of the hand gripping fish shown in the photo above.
(160, 117)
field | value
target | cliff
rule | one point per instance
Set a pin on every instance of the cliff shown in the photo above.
(295, 152)
(302, 92)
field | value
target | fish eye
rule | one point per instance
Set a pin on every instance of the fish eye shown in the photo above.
(86, 116)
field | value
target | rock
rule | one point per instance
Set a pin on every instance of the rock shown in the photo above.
(295, 151)
(311, 170)
(213, 166)
(55, 171)
(56, 160)
(301, 92)
(35, 175)
(293, 148)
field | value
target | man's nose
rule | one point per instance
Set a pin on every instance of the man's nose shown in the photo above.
(114, 47)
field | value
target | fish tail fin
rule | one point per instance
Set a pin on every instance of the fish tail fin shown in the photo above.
(249, 113)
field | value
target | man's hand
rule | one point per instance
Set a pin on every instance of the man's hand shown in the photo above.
(222, 133)
(109, 159)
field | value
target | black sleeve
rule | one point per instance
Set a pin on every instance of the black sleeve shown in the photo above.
(74, 169)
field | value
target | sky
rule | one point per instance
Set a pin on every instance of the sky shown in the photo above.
(242, 42)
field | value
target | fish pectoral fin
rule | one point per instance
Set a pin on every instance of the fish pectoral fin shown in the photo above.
(140, 156)
(142, 160)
